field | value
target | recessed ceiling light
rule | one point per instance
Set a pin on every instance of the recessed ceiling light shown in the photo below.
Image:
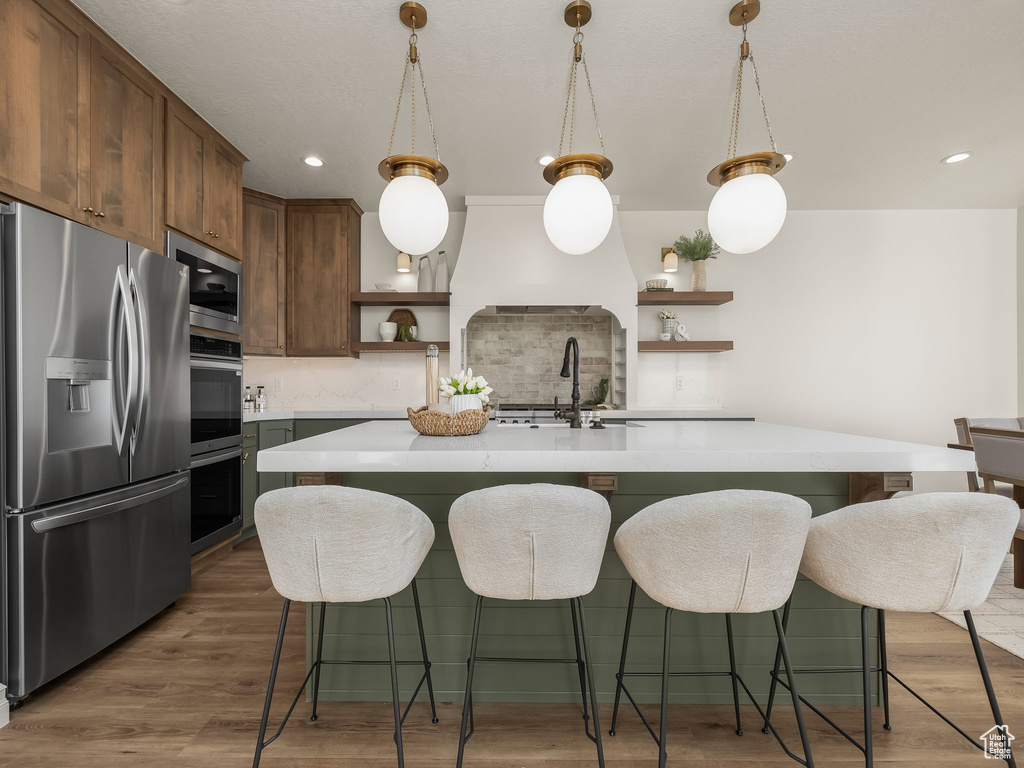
(313, 161)
(959, 157)
(545, 160)
(204, 270)
(788, 157)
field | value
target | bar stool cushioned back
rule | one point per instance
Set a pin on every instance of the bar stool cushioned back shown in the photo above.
(922, 553)
(340, 545)
(530, 542)
(721, 552)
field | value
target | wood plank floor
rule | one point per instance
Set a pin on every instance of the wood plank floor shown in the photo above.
(187, 690)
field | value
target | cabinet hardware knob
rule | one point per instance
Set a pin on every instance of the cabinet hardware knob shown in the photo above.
(215, 234)
(251, 434)
(101, 214)
(87, 210)
(245, 457)
(289, 429)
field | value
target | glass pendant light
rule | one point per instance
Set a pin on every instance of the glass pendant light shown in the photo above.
(413, 211)
(578, 211)
(749, 208)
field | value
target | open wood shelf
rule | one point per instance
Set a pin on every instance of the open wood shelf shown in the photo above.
(397, 346)
(692, 298)
(400, 299)
(684, 346)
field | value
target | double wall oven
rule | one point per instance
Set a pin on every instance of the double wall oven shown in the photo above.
(216, 394)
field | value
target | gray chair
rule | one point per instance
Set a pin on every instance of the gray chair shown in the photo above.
(963, 436)
(999, 454)
(327, 544)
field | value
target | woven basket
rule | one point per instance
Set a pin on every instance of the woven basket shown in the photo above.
(443, 424)
(402, 316)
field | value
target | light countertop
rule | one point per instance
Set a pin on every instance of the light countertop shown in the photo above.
(651, 446)
(632, 413)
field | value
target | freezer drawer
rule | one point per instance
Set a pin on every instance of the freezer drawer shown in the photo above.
(85, 573)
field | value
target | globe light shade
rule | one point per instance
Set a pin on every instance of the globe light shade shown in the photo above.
(578, 214)
(747, 213)
(413, 214)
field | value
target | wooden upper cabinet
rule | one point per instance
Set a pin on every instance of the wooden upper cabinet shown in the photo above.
(323, 239)
(44, 106)
(204, 182)
(126, 168)
(264, 274)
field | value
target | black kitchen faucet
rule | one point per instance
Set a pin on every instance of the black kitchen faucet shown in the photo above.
(573, 417)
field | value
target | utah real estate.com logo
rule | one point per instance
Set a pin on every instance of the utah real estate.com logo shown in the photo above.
(997, 742)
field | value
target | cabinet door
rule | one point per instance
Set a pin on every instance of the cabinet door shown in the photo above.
(263, 267)
(250, 478)
(222, 195)
(186, 146)
(272, 434)
(317, 306)
(44, 107)
(126, 161)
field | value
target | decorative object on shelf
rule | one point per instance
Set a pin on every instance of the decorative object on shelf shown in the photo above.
(405, 332)
(441, 273)
(404, 262)
(388, 331)
(578, 211)
(425, 276)
(443, 424)
(433, 381)
(386, 287)
(465, 391)
(681, 334)
(403, 317)
(749, 208)
(668, 322)
(600, 393)
(664, 337)
(669, 260)
(659, 284)
(697, 250)
(413, 211)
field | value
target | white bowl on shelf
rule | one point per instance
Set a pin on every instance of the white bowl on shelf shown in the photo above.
(383, 286)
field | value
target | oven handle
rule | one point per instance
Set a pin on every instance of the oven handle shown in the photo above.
(204, 461)
(216, 364)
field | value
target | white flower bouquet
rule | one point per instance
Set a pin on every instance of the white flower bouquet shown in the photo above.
(465, 384)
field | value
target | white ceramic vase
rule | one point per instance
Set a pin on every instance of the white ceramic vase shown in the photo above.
(425, 279)
(441, 274)
(387, 331)
(466, 403)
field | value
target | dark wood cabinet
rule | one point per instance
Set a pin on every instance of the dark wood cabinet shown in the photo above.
(264, 274)
(44, 106)
(323, 266)
(204, 182)
(126, 160)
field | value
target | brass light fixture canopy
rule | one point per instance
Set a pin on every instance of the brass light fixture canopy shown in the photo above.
(580, 9)
(742, 13)
(410, 9)
(413, 165)
(759, 162)
(578, 164)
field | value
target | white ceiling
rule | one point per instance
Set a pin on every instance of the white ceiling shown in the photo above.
(868, 94)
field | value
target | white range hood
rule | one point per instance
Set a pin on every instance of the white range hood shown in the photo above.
(507, 264)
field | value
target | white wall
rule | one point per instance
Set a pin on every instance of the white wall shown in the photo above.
(1020, 311)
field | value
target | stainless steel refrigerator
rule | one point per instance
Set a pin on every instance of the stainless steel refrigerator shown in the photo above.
(96, 441)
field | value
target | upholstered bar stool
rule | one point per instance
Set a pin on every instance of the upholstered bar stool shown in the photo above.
(531, 542)
(328, 544)
(723, 552)
(924, 553)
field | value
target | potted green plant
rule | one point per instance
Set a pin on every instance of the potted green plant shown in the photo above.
(697, 250)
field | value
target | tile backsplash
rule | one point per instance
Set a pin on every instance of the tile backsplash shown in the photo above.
(521, 355)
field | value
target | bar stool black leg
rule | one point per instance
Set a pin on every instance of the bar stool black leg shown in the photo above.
(775, 669)
(423, 648)
(270, 684)
(319, 656)
(865, 658)
(622, 658)
(590, 678)
(989, 690)
(579, 665)
(883, 660)
(732, 673)
(468, 703)
(394, 682)
(780, 630)
(662, 752)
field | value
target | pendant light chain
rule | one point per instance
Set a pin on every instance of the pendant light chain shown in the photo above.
(570, 96)
(413, 64)
(734, 130)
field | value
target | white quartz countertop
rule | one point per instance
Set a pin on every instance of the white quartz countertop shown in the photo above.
(632, 413)
(652, 446)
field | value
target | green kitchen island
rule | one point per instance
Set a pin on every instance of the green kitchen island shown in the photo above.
(634, 464)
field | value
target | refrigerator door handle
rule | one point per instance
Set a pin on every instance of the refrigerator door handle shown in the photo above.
(87, 509)
(132, 386)
(142, 347)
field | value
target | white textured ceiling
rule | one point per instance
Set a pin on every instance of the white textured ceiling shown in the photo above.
(868, 94)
